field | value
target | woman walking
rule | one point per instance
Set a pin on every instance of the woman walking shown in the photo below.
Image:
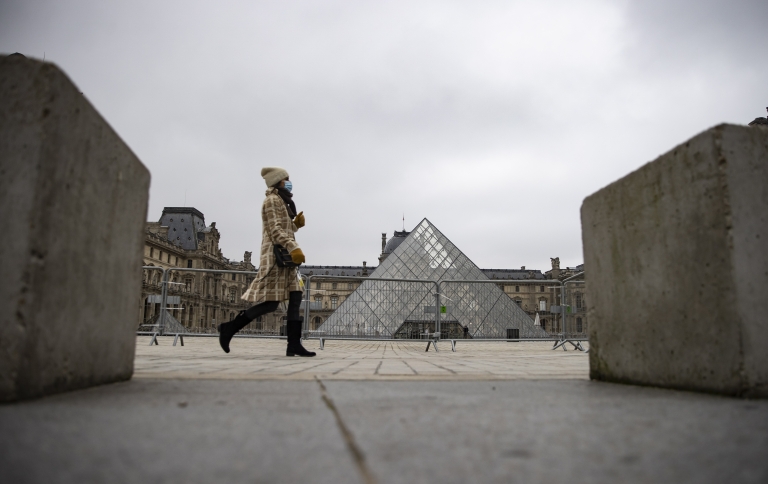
(273, 283)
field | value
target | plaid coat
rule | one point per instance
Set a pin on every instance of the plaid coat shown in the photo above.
(273, 283)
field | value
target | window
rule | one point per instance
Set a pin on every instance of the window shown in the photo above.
(519, 301)
(177, 261)
(189, 263)
(578, 301)
(334, 285)
(232, 295)
(151, 251)
(169, 258)
(188, 284)
(517, 288)
(334, 301)
(543, 305)
(542, 288)
(350, 286)
(318, 298)
(161, 255)
(318, 286)
(579, 325)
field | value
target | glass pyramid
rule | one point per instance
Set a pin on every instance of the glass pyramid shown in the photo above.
(399, 309)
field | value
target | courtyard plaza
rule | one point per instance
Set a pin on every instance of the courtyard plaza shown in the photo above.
(378, 412)
(254, 359)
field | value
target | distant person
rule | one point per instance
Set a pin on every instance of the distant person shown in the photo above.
(466, 332)
(274, 284)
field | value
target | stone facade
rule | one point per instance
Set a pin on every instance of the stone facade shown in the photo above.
(182, 240)
(205, 299)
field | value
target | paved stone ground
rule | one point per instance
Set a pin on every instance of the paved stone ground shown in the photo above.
(258, 359)
(488, 413)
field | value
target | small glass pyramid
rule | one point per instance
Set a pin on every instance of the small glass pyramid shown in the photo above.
(386, 309)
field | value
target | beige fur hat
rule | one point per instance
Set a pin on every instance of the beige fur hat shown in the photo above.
(273, 175)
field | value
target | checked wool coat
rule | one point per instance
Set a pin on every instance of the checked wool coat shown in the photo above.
(273, 283)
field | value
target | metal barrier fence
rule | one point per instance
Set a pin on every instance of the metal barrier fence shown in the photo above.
(376, 309)
(203, 303)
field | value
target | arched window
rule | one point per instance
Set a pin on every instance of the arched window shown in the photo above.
(542, 304)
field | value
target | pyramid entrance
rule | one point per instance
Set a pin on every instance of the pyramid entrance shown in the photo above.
(416, 329)
(400, 309)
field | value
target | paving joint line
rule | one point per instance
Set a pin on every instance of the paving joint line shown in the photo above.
(357, 454)
(345, 368)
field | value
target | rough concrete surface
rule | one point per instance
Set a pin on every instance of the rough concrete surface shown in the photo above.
(677, 272)
(74, 198)
(203, 431)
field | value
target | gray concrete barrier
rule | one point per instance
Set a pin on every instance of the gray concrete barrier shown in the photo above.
(677, 268)
(74, 202)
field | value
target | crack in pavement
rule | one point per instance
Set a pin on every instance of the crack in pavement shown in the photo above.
(358, 457)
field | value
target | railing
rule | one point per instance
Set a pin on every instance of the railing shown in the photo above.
(412, 309)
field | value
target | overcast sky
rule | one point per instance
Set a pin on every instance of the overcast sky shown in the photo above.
(493, 119)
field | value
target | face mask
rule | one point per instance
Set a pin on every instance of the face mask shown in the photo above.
(288, 185)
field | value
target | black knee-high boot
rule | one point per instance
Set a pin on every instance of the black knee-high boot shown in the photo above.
(295, 347)
(294, 325)
(230, 328)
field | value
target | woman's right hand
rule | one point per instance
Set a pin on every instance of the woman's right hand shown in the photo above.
(299, 220)
(297, 256)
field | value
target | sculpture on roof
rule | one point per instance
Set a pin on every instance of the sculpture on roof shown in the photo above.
(555, 262)
(760, 121)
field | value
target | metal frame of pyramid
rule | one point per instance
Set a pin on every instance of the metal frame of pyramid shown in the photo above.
(381, 309)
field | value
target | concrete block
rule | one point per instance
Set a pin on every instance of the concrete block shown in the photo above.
(74, 201)
(676, 268)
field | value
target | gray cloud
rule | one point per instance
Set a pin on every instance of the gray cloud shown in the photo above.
(492, 119)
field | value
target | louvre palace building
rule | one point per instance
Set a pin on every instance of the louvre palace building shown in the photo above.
(200, 300)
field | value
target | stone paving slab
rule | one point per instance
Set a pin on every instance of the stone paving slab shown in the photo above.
(380, 432)
(264, 359)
